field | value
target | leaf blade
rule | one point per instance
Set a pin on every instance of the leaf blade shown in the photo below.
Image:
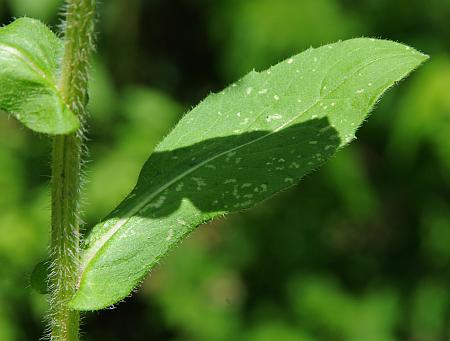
(29, 66)
(236, 149)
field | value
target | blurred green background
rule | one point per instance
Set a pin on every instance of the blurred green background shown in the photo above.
(359, 250)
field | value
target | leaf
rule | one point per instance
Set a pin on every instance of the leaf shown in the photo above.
(39, 277)
(235, 149)
(29, 57)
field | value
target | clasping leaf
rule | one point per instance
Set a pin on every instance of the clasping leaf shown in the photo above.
(238, 147)
(29, 62)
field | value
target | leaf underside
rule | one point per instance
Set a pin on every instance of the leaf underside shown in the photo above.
(235, 149)
(29, 57)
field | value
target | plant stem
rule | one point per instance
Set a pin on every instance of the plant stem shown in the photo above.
(66, 171)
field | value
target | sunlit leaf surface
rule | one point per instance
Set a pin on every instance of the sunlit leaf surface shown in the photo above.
(29, 59)
(235, 149)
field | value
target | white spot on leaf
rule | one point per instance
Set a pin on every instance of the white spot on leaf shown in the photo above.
(179, 187)
(169, 235)
(274, 117)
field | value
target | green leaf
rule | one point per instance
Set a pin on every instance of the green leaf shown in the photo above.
(39, 277)
(29, 66)
(235, 149)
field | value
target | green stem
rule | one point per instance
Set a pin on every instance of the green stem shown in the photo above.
(66, 171)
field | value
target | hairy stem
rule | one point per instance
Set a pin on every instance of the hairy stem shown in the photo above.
(66, 171)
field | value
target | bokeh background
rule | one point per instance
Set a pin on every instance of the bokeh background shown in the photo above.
(359, 250)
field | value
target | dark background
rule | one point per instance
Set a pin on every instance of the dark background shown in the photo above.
(359, 250)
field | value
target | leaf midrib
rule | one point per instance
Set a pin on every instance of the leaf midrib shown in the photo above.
(99, 243)
(18, 52)
(22, 55)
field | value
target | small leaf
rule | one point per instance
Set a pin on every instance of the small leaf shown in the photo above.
(39, 277)
(29, 57)
(235, 149)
